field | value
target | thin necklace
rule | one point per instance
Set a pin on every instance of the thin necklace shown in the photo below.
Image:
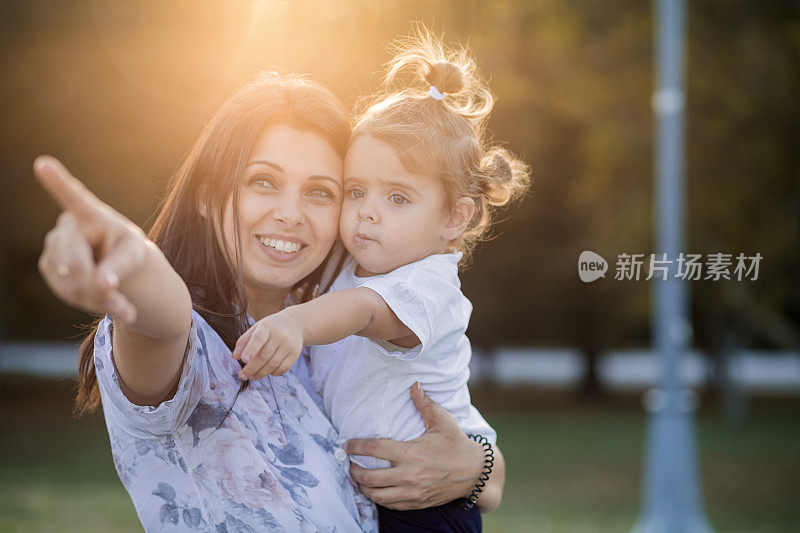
(278, 407)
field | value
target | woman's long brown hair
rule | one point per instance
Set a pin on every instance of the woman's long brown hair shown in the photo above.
(210, 174)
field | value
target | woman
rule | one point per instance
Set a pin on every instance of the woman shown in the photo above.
(250, 219)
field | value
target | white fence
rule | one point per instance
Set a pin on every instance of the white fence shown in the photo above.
(762, 372)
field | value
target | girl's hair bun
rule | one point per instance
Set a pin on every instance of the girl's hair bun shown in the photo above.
(506, 176)
(497, 166)
(453, 72)
(445, 76)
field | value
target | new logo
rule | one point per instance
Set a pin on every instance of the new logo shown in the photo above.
(591, 266)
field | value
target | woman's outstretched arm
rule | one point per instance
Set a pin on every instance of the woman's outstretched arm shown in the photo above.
(440, 466)
(97, 260)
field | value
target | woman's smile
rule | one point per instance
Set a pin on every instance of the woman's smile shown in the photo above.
(280, 248)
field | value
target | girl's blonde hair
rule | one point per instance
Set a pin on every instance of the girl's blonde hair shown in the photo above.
(446, 138)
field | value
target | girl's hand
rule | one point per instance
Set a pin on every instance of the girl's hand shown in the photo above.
(270, 346)
(438, 467)
(91, 250)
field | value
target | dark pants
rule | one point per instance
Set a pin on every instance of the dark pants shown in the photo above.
(450, 517)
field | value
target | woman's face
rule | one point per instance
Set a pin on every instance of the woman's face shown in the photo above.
(288, 208)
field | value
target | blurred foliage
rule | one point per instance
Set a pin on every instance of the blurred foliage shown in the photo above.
(120, 89)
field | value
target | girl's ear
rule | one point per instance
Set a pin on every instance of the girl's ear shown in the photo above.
(459, 218)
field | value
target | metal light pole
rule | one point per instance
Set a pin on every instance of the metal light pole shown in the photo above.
(672, 498)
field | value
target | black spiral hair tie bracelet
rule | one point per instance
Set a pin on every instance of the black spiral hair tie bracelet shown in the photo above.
(488, 464)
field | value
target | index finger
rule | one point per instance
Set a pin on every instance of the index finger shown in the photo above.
(64, 188)
(388, 449)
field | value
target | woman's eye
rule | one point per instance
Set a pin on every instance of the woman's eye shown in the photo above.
(355, 193)
(263, 181)
(321, 192)
(398, 199)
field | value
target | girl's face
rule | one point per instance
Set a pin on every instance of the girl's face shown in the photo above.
(289, 208)
(390, 217)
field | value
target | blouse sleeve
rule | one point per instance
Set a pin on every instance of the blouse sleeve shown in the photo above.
(145, 420)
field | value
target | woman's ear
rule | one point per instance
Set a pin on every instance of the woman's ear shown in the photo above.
(459, 219)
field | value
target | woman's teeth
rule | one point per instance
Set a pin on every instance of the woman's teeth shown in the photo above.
(286, 247)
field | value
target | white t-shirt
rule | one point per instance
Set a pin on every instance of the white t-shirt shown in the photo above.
(365, 384)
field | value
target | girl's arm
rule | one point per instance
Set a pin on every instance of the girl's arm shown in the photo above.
(99, 261)
(273, 344)
(440, 466)
(337, 315)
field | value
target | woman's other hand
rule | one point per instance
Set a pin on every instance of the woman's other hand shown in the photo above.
(438, 467)
(92, 248)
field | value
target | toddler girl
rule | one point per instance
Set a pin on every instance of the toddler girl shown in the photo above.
(420, 183)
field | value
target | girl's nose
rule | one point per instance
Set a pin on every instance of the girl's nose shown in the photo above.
(368, 212)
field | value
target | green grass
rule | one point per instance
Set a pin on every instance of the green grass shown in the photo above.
(572, 467)
(581, 472)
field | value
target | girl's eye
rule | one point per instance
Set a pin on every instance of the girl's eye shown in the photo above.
(398, 199)
(355, 193)
(321, 192)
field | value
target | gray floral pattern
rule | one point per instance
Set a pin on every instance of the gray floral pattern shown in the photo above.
(263, 467)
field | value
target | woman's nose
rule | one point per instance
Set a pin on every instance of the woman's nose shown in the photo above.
(289, 212)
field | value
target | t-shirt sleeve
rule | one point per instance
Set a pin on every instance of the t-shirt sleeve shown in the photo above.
(425, 300)
(475, 424)
(411, 307)
(145, 420)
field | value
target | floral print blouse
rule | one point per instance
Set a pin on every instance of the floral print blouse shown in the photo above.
(274, 463)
